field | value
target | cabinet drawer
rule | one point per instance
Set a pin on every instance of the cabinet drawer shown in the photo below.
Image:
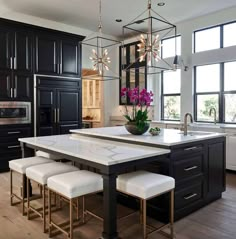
(10, 147)
(183, 152)
(6, 157)
(187, 168)
(188, 195)
(15, 132)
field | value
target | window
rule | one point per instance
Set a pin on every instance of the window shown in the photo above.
(208, 39)
(170, 97)
(168, 47)
(215, 37)
(215, 87)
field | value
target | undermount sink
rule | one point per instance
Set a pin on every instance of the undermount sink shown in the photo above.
(207, 125)
(196, 133)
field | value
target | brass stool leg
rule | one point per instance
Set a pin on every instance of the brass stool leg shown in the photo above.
(83, 209)
(44, 213)
(77, 209)
(71, 219)
(28, 200)
(11, 189)
(23, 194)
(144, 218)
(172, 214)
(49, 213)
(141, 212)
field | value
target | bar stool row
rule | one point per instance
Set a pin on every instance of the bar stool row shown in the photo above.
(70, 183)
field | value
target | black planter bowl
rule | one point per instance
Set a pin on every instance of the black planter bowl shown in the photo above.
(132, 128)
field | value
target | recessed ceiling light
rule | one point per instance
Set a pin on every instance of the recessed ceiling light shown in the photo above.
(161, 4)
(118, 20)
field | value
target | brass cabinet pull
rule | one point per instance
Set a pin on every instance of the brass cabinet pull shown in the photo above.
(13, 146)
(15, 93)
(190, 196)
(192, 148)
(55, 115)
(190, 168)
(11, 63)
(14, 132)
(11, 93)
(58, 115)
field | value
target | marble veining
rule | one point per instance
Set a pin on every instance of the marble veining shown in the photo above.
(101, 151)
(167, 137)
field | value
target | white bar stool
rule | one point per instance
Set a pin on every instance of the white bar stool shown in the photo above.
(40, 174)
(19, 166)
(71, 186)
(146, 185)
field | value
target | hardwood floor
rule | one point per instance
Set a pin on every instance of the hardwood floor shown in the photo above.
(215, 221)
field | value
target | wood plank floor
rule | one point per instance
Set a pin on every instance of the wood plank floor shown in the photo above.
(216, 221)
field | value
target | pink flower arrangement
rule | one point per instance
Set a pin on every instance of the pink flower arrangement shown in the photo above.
(141, 101)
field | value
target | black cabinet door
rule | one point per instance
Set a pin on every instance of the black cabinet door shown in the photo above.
(6, 90)
(46, 112)
(69, 58)
(216, 170)
(23, 87)
(22, 52)
(46, 54)
(6, 61)
(68, 110)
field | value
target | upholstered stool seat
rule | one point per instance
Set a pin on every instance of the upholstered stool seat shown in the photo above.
(146, 185)
(19, 166)
(71, 186)
(40, 174)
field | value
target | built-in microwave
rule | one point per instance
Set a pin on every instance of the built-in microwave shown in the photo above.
(15, 112)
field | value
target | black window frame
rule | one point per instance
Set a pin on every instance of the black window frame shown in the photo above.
(221, 93)
(162, 99)
(207, 28)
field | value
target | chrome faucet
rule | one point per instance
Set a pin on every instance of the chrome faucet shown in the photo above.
(185, 122)
(210, 113)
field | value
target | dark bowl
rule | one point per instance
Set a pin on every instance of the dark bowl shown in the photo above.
(133, 129)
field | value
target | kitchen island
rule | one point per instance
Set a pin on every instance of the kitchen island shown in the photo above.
(107, 157)
(196, 161)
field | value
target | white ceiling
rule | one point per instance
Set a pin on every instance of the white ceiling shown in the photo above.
(84, 13)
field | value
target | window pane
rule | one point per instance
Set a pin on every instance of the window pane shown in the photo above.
(230, 108)
(123, 85)
(141, 79)
(168, 47)
(204, 104)
(171, 82)
(171, 107)
(132, 79)
(208, 78)
(230, 82)
(229, 34)
(132, 53)
(207, 39)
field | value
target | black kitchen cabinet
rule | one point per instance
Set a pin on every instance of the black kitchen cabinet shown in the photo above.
(70, 55)
(15, 64)
(15, 86)
(16, 50)
(46, 54)
(58, 109)
(9, 144)
(57, 55)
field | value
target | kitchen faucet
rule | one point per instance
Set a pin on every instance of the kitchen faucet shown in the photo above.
(214, 111)
(185, 122)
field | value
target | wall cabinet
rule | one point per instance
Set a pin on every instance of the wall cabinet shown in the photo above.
(57, 56)
(58, 107)
(15, 64)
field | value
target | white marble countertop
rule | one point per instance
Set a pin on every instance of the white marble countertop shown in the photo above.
(167, 137)
(100, 151)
